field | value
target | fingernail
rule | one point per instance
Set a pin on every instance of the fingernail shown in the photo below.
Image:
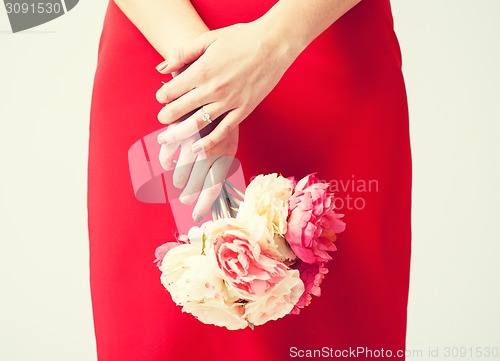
(162, 66)
(197, 218)
(160, 139)
(196, 148)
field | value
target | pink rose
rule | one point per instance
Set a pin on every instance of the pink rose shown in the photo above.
(249, 271)
(312, 275)
(312, 223)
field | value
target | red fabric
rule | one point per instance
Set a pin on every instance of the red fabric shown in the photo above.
(340, 111)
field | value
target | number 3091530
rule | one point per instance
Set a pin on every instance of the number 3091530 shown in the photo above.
(39, 8)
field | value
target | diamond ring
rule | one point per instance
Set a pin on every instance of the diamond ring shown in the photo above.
(205, 116)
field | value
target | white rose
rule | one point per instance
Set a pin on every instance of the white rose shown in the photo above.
(277, 303)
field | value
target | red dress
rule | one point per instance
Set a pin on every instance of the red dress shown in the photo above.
(340, 111)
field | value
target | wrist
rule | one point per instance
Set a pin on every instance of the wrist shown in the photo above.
(281, 32)
(279, 49)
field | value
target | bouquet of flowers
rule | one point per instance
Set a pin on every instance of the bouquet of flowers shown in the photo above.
(262, 256)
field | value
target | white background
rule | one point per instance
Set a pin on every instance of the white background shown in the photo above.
(451, 54)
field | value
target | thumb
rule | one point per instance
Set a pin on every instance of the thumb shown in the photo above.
(186, 55)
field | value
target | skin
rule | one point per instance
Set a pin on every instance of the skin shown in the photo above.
(259, 52)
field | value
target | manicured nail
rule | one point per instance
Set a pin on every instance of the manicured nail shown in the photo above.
(161, 139)
(197, 218)
(196, 148)
(162, 66)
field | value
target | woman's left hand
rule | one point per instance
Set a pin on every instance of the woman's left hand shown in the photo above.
(201, 176)
(228, 72)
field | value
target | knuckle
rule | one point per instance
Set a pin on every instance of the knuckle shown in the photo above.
(173, 138)
(197, 189)
(200, 123)
(211, 142)
(193, 190)
(179, 180)
(171, 113)
(226, 130)
(167, 97)
(168, 114)
(220, 87)
(213, 191)
(180, 54)
(201, 75)
(164, 96)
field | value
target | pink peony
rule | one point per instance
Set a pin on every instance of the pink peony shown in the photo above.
(277, 303)
(246, 268)
(162, 250)
(312, 275)
(312, 223)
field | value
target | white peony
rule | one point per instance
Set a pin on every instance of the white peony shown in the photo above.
(189, 277)
(281, 248)
(219, 313)
(266, 199)
(197, 234)
(277, 303)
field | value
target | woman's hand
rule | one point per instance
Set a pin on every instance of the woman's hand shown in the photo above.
(228, 72)
(201, 175)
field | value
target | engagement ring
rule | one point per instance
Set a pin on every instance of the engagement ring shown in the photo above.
(205, 116)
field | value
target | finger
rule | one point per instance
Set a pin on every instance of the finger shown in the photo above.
(212, 187)
(188, 102)
(221, 131)
(196, 180)
(191, 125)
(177, 72)
(166, 155)
(163, 65)
(186, 55)
(175, 88)
(184, 165)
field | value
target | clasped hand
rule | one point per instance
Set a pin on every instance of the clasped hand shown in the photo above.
(227, 73)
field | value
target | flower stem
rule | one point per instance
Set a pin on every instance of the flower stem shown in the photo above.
(226, 205)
